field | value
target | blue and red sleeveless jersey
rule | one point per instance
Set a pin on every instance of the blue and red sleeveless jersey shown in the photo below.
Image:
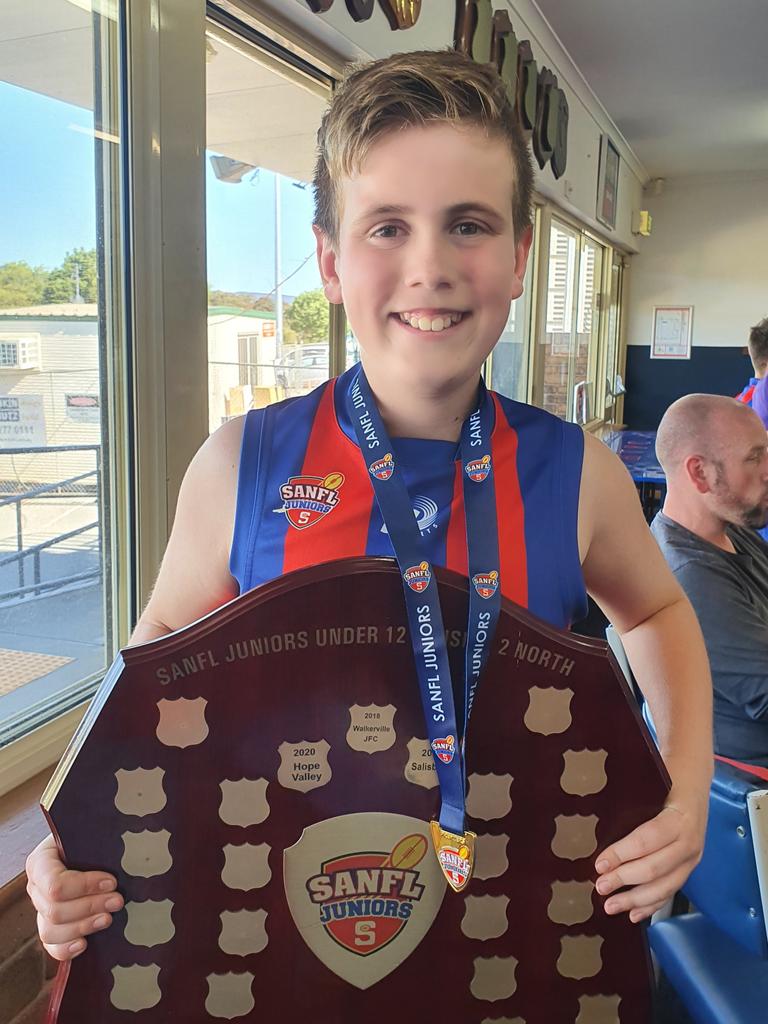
(746, 396)
(305, 497)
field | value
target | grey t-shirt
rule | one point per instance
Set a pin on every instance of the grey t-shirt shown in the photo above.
(729, 593)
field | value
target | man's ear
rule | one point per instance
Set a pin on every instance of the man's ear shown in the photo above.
(326, 262)
(522, 249)
(697, 470)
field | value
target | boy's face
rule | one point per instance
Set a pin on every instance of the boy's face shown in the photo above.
(427, 261)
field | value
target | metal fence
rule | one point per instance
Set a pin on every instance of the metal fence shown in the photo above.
(22, 557)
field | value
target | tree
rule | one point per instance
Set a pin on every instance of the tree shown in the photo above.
(308, 316)
(78, 269)
(240, 300)
(21, 285)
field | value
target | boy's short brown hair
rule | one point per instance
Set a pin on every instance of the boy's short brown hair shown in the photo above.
(405, 90)
(758, 345)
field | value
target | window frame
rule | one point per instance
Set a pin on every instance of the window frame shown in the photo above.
(35, 736)
(611, 252)
(160, 354)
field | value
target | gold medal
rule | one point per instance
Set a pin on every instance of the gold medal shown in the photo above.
(455, 854)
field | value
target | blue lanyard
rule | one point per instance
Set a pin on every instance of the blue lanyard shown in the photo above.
(425, 618)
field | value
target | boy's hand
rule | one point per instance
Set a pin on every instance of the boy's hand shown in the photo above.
(69, 904)
(654, 861)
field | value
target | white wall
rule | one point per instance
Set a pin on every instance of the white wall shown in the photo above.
(576, 192)
(709, 250)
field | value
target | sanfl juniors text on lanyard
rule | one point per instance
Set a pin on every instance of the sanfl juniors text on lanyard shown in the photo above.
(454, 845)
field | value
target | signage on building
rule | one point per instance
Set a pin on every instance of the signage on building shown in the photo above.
(22, 421)
(83, 408)
(488, 36)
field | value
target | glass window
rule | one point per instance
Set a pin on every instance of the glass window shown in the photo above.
(559, 339)
(59, 140)
(509, 359)
(572, 323)
(585, 364)
(612, 335)
(268, 320)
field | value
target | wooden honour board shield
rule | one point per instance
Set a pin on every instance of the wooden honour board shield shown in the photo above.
(261, 785)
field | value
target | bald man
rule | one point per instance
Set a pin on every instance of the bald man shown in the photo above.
(715, 457)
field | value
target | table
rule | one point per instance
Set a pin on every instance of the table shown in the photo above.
(637, 450)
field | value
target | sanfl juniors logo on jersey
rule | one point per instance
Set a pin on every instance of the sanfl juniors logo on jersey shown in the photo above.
(486, 583)
(418, 577)
(383, 468)
(365, 899)
(444, 748)
(308, 499)
(478, 469)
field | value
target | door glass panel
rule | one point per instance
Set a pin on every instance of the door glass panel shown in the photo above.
(509, 359)
(612, 340)
(559, 339)
(268, 322)
(59, 264)
(583, 388)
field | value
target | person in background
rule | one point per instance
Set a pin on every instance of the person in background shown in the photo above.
(714, 452)
(760, 405)
(760, 400)
(758, 353)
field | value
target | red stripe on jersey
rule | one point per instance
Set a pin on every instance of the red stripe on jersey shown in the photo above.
(342, 532)
(456, 538)
(510, 510)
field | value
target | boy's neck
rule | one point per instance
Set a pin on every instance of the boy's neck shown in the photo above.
(421, 412)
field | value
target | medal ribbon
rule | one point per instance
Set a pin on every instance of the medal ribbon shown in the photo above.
(422, 600)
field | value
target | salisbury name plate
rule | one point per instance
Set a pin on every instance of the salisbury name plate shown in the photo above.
(262, 786)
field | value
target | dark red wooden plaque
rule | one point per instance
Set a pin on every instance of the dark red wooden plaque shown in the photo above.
(261, 786)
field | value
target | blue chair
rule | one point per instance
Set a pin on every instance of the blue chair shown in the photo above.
(716, 957)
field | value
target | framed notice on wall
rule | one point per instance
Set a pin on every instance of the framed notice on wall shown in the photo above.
(607, 183)
(671, 337)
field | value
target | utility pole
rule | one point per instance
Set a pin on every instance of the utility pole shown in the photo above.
(278, 274)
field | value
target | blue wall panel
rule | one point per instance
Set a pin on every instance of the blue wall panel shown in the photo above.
(653, 384)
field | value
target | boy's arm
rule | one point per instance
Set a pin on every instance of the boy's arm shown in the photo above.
(626, 574)
(194, 576)
(194, 579)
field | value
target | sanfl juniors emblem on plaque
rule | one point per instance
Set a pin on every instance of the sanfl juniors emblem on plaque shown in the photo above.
(486, 583)
(418, 577)
(478, 469)
(308, 499)
(444, 748)
(363, 890)
(383, 468)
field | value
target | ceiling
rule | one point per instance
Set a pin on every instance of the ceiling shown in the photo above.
(686, 81)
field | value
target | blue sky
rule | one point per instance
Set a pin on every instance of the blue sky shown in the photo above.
(47, 201)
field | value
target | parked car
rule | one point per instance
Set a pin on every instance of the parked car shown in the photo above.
(302, 368)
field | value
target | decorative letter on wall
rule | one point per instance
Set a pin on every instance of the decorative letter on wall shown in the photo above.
(504, 52)
(527, 79)
(360, 10)
(474, 29)
(401, 13)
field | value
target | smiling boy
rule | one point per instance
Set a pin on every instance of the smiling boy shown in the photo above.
(423, 189)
